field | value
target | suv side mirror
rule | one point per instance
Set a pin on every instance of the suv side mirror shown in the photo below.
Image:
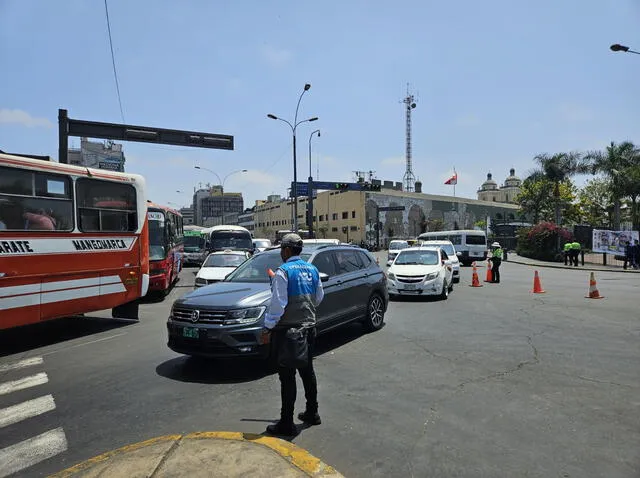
(459, 254)
(324, 277)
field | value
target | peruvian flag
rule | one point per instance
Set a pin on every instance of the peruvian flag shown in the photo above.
(453, 180)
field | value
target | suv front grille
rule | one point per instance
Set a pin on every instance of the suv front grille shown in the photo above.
(206, 316)
(410, 279)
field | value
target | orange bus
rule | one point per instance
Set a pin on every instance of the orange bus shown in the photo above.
(166, 247)
(72, 240)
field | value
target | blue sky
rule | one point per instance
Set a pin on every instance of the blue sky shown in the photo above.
(497, 82)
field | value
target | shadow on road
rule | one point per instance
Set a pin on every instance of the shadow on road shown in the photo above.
(30, 337)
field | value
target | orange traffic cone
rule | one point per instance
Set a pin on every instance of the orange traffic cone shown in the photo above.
(475, 281)
(593, 288)
(537, 286)
(489, 277)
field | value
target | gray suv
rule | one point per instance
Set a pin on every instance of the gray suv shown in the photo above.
(225, 319)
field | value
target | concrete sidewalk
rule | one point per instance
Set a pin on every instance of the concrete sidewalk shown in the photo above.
(205, 454)
(516, 259)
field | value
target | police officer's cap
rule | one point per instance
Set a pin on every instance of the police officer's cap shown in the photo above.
(495, 244)
(291, 240)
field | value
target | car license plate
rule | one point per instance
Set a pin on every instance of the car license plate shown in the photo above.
(475, 254)
(410, 286)
(191, 332)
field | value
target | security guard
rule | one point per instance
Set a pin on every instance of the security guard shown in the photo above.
(296, 291)
(567, 253)
(496, 260)
(575, 252)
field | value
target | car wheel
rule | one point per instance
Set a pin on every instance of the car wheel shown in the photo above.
(456, 280)
(375, 313)
(451, 287)
(130, 310)
(444, 295)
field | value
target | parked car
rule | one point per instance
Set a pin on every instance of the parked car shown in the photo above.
(395, 247)
(218, 265)
(420, 271)
(453, 255)
(260, 245)
(225, 319)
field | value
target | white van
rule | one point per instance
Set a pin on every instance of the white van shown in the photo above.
(470, 243)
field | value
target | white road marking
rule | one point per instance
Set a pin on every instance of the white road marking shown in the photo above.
(24, 410)
(27, 453)
(85, 343)
(21, 384)
(5, 367)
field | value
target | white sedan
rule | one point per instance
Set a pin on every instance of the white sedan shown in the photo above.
(420, 271)
(219, 265)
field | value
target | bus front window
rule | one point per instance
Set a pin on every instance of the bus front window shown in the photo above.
(157, 236)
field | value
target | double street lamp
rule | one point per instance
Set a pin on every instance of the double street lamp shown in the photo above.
(625, 49)
(293, 127)
(221, 182)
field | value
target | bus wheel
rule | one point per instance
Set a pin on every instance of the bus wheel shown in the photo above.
(130, 310)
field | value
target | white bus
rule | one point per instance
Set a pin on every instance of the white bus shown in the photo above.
(471, 243)
(236, 238)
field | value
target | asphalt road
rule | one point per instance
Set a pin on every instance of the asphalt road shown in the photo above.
(495, 381)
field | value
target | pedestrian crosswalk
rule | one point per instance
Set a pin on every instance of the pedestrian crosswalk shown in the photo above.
(26, 379)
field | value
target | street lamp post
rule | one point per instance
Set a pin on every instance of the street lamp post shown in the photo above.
(625, 49)
(293, 127)
(221, 183)
(310, 190)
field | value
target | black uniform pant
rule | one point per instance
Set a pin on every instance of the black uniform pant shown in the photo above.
(575, 254)
(495, 269)
(288, 388)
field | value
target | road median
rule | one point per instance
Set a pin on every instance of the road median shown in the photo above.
(205, 454)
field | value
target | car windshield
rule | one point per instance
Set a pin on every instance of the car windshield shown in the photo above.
(193, 243)
(224, 260)
(448, 248)
(255, 269)
(397, 245)
(423, 258)
(259, 243)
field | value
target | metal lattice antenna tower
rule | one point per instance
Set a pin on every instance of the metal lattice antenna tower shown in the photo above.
(409, 178)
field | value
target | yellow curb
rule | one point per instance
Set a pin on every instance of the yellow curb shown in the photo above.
(295, 455)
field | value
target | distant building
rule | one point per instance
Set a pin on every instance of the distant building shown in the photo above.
(187, 215)
(106, 155)
(490, 191)
(208, 206)
(247, 219)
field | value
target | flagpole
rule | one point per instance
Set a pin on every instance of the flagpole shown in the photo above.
(455, 182)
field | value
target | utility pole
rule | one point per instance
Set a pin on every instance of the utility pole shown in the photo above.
(409, 178)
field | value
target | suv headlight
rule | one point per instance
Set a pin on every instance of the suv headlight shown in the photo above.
(431, 276)
(391, 276)
(244, 316)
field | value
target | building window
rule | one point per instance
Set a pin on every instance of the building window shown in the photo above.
(353, 214)
(334, 229)
(321, 217)
(345, 215)
(334, 216)
(506, 198)
(354, 228)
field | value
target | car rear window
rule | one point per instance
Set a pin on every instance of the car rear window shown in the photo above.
(476, 240)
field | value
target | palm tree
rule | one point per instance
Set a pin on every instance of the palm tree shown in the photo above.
(558, 168)
(615, 162)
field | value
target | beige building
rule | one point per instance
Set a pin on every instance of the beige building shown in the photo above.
(490, 191)
(352, 215)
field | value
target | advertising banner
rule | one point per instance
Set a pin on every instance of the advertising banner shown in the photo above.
(612, 242)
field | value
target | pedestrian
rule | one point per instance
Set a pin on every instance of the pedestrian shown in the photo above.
(296, 291)
(567, 253)
(575, 252)
(635, 255)
(496, 260)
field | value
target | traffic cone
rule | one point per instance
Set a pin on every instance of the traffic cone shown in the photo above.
(475, 281)
(593, 288)
(489, 277)
(537, 286)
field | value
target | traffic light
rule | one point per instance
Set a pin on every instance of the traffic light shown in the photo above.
(342, 185)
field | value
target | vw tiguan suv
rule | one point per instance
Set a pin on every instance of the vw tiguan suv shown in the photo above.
(225, 319)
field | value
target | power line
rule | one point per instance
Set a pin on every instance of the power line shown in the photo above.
(113, 60)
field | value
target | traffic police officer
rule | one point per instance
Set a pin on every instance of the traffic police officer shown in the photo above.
(575, 252)
(296, 291)
(567, 253)
(496, 260)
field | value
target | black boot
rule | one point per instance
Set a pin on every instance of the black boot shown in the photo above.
(287, 429)
(310, 418)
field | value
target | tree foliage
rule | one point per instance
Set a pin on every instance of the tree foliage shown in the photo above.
(537, 199)
(595, 202)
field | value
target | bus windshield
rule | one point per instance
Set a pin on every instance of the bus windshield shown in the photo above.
(193, 243)
(234, 240)
(157, 236)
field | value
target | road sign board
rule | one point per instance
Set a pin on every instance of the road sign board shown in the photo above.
(302, 189)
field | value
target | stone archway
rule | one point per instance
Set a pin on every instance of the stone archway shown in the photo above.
(393, 224)
(416, 221)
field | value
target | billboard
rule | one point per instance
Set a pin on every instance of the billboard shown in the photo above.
(612, 242)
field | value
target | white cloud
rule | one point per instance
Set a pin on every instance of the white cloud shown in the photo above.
(574, 113)
(276, 56)
(22, 117)
(257, 178)
(393, 161)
